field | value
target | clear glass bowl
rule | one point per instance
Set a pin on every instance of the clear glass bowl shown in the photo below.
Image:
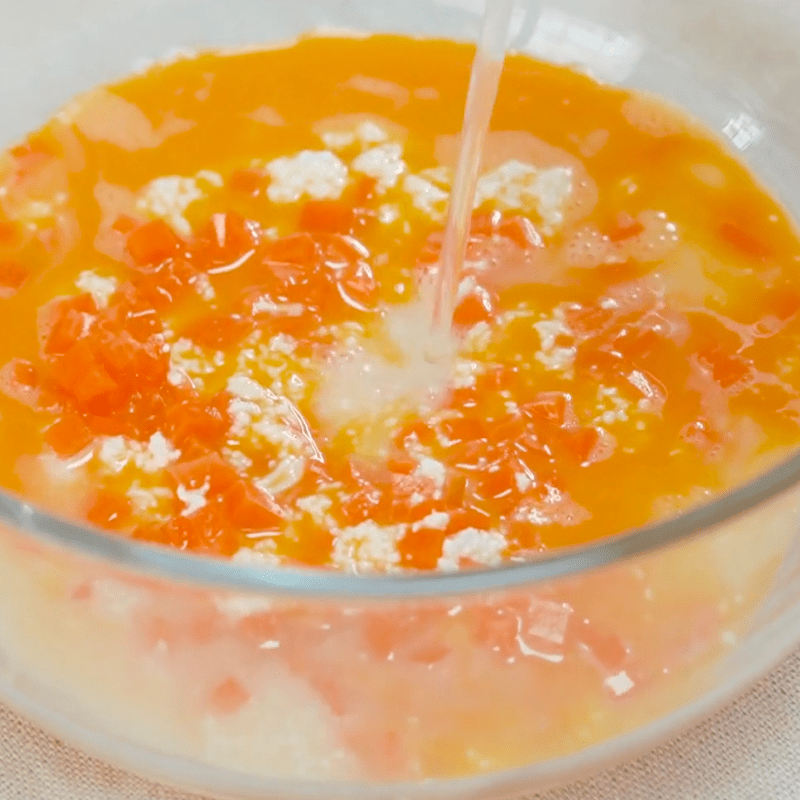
(465, 686)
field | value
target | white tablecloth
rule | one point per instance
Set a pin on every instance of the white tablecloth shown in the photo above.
(749, 751)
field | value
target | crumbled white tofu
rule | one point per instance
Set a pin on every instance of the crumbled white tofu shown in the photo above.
(316, 506)
(193, 499)
(157, 455)
(426, 196)
(441, 176)
(366, 133)
(384, 163)
(433, 470)
(150, 502)
(473, 545)
(168, 198)
(283, 343)
(246, 388)
(211, 177)
(620, 683)
(368, 547)
(516, 186)
(236, 607)
(275, 364)
(115, 452)
(542, 631)
(435, 521)
(338, 140)
(259, 415)
(523, 481)
(466, 286)
(203, 287)
(100, 288)
(369, 132)
(237, 459)
(478, 338)
(318, 174)
(188, 362)
(288, 472)
(465, 370)
(261, 555)
(117, 598)
(612, 407)
(388, 213)
(554, 355)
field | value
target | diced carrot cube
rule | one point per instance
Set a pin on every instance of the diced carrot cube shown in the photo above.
(210, 468)
(422, 548)
(217, 331)
(477, 306)
(743, 241)
(246, 181)
(782, 302)
(81, 375)
(364, 190)
(581, 443)
(69, 434)
(228, 697)
(625, 227)
(10, 233)
(251, 510)
(12, 275)
(63, 322)
(203, 421)
(329, 216)
(109, 510)
(548, 407)
(124, 224)
(132, 364)
(153, 243)
(225, 238)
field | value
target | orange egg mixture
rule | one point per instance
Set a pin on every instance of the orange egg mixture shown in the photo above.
(209, 277)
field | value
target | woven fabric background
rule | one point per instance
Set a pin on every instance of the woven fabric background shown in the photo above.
(749, 751)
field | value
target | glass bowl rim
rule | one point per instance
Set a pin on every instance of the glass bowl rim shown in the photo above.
(173, 565)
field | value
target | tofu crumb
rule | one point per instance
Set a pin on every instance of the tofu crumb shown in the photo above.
(384, 163)
(426, 196)
(368, 547)
(472, 545)
(203, 287)
(115, 453)
(316, 506)
(259, 415)
(318, 174)
(236, 607)
(100, 288)
(158, 454)
(388, 213)
(436, 521)
(611, 406)
(193, 499)
(188, 362)
(553, 355)
(516, 186)
(367, 133)
(433, 470)
(259, 556)
(619, 684)
(168, 198)
(150, 503)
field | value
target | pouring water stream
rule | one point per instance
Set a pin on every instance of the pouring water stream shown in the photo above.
(484, 81)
